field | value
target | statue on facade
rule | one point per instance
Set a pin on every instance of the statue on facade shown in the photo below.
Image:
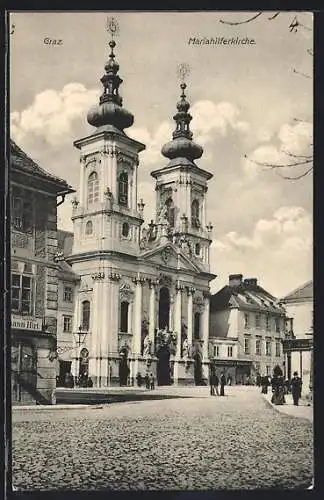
(163, 215)
(185, 348)
(185, 245)
(147, 346)
(108, 197)
(144, 238)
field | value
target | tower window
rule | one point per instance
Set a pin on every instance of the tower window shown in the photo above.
(93, 188)
(125, 229)
(170, 209)
(123, 189)
(85, 315)
(195, 218)
(197, 325)
(197, 249)
(88, 229)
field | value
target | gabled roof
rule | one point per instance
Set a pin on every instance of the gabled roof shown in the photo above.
(300, 294)
(246, 297)
(19, 160)
(178, 257)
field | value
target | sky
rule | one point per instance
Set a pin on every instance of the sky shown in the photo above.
(253, 100)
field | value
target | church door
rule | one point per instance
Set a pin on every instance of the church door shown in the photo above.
(164, 308)
(123, 369)
(163, 366)
(197, 369)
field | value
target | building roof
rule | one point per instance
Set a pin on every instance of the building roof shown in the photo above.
(300, 294)
(21, 161)
(246, 296)
(66, 272)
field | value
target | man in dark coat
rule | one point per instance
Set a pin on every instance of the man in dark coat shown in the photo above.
(213, 384)
(222, 384)
(296, 387)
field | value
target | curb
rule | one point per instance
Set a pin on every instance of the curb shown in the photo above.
(54, 407)
(277, 408)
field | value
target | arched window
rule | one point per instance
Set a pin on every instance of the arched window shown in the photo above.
(88, 228)
(197, 326)
(85, 323)
(195, 216)
(123, 189)
(125, 229)
(93, 188)
(197, 248)
(170, 209)
(124, 317)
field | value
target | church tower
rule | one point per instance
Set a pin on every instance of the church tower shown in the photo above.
(181, 187)
(107, 216)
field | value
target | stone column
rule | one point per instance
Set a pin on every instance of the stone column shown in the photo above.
(152, 312)
(171, 313)
(205, 325)
(138, 315)
(191, 292)
(82, 182)
(177, 325)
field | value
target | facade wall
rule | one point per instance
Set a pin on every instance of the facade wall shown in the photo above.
(34, 328)
(302, 313)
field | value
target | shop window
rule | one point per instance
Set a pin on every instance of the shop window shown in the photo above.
(93, 188)
(123, 189)
(21, 294)
(124, 317)
(67, 324)
(85, 316)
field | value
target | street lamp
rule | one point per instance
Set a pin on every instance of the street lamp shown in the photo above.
(78, 335)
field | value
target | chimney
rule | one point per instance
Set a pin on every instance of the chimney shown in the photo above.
(235, 279)
(251, 281)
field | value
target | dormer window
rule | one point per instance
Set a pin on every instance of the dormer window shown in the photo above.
(123, 189)
(195, 215)
(93, 188)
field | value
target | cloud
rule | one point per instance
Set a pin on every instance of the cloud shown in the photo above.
(278, 251)
(53, 114)
(290, 141)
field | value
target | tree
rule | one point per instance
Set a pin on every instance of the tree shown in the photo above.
(301, 164)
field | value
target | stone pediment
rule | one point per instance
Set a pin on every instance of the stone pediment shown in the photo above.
(170, 256)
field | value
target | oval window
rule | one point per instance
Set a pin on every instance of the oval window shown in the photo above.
(125, 229)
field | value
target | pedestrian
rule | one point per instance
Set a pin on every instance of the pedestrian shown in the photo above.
(258, 380)
(222, 384)
(296, 387)
(213, 384)
(151, 381)
(264, 385)
(139, 379)
(147, 381)
(229, 380)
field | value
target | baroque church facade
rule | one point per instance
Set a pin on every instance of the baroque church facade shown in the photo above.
(142, 302)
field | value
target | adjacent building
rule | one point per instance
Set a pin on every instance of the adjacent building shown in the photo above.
(35, 195)
(298, 344)
(67, 284)
(142, 302)
(247, 327)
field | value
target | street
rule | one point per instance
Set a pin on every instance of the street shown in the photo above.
(195, 443)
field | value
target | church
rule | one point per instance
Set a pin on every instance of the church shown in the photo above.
(142, 301)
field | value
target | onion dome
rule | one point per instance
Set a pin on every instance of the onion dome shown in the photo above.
(109, 111)
(182, 145)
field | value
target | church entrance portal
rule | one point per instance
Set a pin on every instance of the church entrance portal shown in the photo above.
(164, 308)
(123, 367)
(197, 370)
(163, 366)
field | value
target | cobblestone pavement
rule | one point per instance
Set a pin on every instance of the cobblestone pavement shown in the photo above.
(198, 443)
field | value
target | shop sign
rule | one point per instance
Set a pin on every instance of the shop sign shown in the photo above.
(26, 323)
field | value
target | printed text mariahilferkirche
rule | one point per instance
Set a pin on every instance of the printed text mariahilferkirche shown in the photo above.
(221, 40)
